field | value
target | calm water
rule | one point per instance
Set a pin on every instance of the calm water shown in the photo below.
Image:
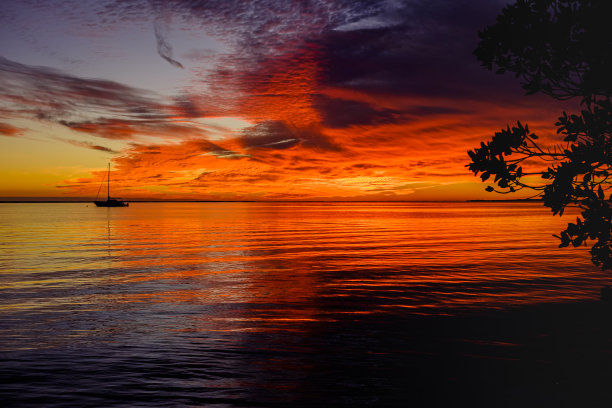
(252, 304)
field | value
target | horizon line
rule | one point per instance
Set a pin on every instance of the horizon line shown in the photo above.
(82, 200)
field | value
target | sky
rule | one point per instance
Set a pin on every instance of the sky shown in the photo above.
(251, 100)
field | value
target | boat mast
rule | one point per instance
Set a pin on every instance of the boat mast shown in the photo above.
(108, 184)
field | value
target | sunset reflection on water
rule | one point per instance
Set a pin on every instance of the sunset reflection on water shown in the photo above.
(269, 304)
(269, 266)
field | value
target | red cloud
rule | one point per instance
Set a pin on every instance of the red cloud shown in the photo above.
(10, 130)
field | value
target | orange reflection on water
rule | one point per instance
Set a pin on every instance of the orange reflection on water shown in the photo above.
(286, 266)
(267, 266)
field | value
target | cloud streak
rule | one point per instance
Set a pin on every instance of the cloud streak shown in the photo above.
(164, 49)
(45, 93)
(89, 145)
(96, 107)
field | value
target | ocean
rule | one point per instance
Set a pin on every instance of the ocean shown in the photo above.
(257, 304)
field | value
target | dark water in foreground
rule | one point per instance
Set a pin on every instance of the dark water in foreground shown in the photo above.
(260, 304)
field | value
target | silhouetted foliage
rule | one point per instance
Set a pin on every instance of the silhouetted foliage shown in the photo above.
(562, 48)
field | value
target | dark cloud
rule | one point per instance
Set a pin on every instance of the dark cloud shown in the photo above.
(125, 129)
(49, 94)
(276, 134)
(98, 147)
(185, 106)
(426, 50)
(88, 145)
(266, 26)
(164, 49)
(364, 166)
(98, 107)
(422, 110)
(197, 147)
(339, 113)
(269, 134)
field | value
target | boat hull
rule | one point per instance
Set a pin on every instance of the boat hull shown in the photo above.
(111, 203)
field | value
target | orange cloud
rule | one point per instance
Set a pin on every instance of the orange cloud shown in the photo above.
(10, 130)
(414, 156)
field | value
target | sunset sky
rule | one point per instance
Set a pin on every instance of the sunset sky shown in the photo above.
(251, 100)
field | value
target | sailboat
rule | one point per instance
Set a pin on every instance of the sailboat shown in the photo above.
(110, 202)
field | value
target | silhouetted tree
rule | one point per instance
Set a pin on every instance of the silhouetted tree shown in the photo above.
(562, 48)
